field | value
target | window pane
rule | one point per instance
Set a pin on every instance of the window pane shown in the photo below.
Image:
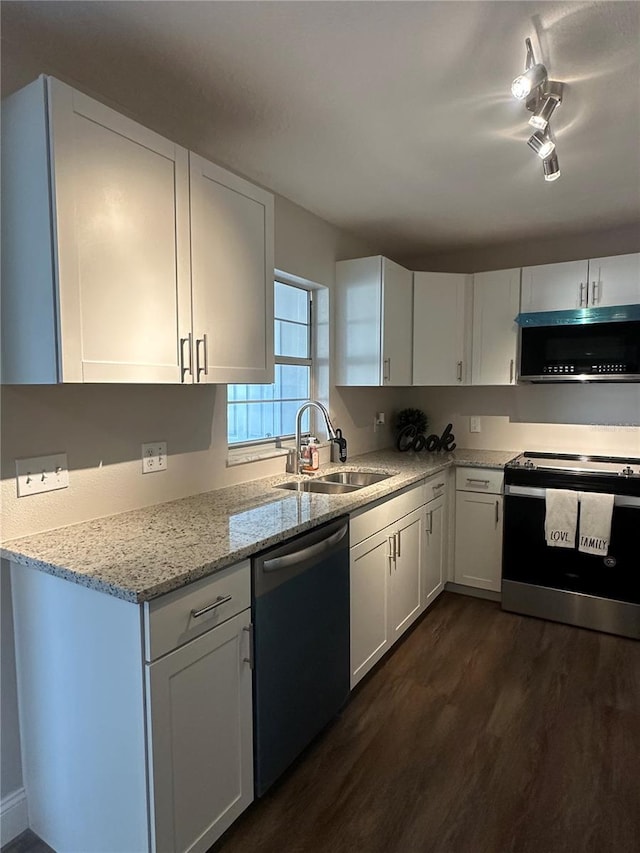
(251, 421)
(291, 339)
(292, 381)
(291, 303)
(288, 411)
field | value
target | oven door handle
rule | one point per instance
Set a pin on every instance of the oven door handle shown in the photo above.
(536, 492)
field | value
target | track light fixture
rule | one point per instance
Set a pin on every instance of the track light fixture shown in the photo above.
(541, 144)
(542, 96)
(533, 77)
(551, 168)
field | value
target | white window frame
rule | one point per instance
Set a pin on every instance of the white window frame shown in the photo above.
(276, 441)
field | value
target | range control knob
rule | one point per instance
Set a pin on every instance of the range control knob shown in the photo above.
(529, 464)
(628, 471)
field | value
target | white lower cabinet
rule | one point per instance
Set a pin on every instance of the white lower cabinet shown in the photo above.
(433, 574)
(397, 569)
(200, 722)
(130, 746)
(405, 571)
(478, 541)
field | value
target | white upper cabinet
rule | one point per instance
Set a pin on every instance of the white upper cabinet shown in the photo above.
(496, 303)
(441, 303)
(614, 281)
(373, 322)
(595, 283)
(232, 276)
(555, 287)
(97, 246)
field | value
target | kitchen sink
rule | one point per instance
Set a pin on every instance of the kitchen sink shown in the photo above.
(319, 487)
(354, 478)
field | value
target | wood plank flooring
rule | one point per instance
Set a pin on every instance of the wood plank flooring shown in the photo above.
(484, 732)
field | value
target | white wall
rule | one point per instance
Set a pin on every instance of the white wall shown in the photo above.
(569, 418)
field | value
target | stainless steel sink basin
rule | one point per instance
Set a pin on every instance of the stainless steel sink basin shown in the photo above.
(319, 487)
(354, 478)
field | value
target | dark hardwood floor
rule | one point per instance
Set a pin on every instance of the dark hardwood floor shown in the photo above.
(483, 732)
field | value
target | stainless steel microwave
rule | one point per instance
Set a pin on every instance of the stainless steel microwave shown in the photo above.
(580, 346)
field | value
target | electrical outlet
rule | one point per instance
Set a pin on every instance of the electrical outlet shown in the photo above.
(154, 457)
(39, 474)
(474, 425)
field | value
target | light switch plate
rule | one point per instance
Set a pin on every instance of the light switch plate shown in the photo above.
(39, 474)
(154, 457)
(474, 425)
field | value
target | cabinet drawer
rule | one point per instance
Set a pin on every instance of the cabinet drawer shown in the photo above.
(479, 480)
(169, 621)
(436, 486)
(371, 520)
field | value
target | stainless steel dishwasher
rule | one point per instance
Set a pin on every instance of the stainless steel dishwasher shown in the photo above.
(301, 644)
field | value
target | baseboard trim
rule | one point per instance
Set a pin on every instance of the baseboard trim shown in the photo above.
(473, 591)
(14, 817)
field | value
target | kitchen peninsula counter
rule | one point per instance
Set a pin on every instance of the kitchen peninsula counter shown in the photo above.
(141, 554)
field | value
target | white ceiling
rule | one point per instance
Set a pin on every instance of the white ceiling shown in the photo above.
(393, 120)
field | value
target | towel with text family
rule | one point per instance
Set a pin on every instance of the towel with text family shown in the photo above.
(589, 513)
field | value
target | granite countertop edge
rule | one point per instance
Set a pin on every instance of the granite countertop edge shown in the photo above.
(236, 515)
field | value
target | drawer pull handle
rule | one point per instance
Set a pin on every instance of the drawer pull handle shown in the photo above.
(221, 599)
(439, 486)
(472, 480)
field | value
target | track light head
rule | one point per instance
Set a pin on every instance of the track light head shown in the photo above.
(546, 105)
(541, 144)
(551, 168)
(529, 80)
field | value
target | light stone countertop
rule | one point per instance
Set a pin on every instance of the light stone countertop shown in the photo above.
(141, 554)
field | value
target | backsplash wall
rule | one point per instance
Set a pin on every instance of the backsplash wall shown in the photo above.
(570, 418)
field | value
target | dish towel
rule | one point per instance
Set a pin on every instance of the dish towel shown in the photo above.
(561, 518)
(596, 510)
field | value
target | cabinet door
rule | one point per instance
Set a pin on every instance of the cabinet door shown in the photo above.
(201, 744)
(614, 281)
(397, 324)
(405, 576)
(433, 562)
(478, 554)
(496, 302)
(554, 287)
(370, 568)
(232, 276)
(439, 302)
(121, 219)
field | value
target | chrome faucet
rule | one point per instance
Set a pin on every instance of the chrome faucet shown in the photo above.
(332, 434)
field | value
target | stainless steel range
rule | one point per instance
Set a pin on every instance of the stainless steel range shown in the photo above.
(565, 584)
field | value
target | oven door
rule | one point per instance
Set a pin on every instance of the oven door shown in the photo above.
(563, 583)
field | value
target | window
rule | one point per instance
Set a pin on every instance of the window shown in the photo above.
(267, 412)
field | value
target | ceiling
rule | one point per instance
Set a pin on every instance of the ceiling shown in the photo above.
(393, 120)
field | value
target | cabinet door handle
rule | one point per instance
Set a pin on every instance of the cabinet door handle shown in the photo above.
(251, 658)
(497, 512)
(430, 530)
(459, 371)
(204, 368)
(391, 555)
(386, 372)
(511, 372)
(184, 367)
(221, 599)
(595, 292)
(398, 543)
(583, 297)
